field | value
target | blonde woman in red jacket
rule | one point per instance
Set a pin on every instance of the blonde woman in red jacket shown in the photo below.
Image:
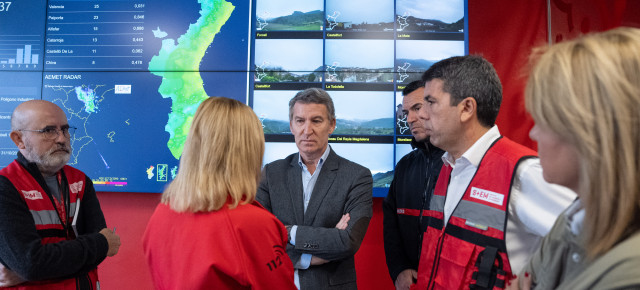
(208, 232)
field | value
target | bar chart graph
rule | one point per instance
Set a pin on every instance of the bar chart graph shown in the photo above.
(20, 52)
(23, 56)
(22, 33)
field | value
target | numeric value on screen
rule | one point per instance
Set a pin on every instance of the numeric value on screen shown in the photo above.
(4, 6)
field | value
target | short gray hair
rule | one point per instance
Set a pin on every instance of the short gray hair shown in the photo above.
(313, 96)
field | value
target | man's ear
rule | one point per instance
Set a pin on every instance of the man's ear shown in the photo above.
(468, 109)
(16, 137)
(333, 126)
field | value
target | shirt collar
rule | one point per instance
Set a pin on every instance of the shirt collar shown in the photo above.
(320, 162)
(575, 214)
(475, 153)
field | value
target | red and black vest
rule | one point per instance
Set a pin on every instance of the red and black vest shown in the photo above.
(470, 251)
(48, 217)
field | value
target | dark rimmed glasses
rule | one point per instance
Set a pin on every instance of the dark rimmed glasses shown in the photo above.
(51, 133)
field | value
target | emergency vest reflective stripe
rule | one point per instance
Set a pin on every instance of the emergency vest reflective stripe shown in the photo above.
(45, 216)
(408, 211)
(450, 257)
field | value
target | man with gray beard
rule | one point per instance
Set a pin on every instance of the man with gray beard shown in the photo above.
(53, 234)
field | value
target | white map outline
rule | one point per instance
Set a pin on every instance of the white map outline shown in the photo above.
(333, 20)
(260, 71)
(331, 71)
(403, 126)
(262, 20)
(402, 71)
(402, 20)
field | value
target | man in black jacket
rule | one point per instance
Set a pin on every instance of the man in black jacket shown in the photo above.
(413, 182)
(52, 231)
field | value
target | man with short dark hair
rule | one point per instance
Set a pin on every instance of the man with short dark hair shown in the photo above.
(53, 232)
(323, 200)
(414, 178)
(491, 206)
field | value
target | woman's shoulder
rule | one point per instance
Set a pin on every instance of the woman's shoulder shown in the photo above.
(251, 220)
(616, 269)
(252, 212)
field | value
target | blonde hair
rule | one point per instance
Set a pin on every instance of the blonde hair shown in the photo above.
(221, 160)
(588, 91)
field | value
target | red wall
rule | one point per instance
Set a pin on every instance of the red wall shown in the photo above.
(503, 31)
(129, 213)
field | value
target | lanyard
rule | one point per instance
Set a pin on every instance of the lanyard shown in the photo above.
(62, 206)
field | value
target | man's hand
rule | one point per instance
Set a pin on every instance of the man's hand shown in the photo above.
(9, 278)
(520, 284)
(405, 279)
(113, 240)
(288, 228)
(343, 223)
(318, 261)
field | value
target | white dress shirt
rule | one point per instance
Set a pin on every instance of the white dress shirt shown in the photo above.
(308, 183)
(534, 204)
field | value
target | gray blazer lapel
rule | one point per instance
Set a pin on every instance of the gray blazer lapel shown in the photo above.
(327, 176)
(294, 184)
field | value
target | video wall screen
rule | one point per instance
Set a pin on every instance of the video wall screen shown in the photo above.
(130, 74)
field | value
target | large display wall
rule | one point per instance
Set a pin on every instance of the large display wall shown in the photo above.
(130, 74)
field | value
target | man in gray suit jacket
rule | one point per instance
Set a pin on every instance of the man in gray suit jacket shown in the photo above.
(323, 199)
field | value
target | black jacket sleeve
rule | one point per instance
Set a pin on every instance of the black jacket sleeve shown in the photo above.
(411, 189)
(395, 254)
(21, 249)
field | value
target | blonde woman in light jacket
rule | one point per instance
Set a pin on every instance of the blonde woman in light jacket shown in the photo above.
(584, 96)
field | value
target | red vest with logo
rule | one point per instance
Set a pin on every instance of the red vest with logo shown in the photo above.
(47, 217)
(470, 251)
